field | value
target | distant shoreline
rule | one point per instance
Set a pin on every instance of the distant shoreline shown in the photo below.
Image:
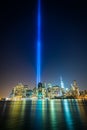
(59, 99)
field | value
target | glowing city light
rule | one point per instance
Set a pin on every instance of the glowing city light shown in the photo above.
(39, 44)
(61, 81)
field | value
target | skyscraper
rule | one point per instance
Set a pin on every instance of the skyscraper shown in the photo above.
(61, 82)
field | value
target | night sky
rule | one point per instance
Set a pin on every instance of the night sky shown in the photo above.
(63, 39)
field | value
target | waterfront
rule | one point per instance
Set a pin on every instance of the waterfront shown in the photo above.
(43, 114)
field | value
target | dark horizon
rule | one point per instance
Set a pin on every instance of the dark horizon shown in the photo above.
(63, 39)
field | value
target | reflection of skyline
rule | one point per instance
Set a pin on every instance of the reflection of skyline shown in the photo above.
(42, 114)
(67, 113)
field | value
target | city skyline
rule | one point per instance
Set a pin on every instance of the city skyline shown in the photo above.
(63, 39)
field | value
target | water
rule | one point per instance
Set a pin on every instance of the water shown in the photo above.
(66, 114)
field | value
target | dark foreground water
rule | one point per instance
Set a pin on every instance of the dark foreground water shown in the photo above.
(44, 115)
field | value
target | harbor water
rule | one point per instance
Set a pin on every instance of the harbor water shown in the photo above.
(57, 114)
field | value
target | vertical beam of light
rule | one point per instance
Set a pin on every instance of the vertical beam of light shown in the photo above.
(39, 43)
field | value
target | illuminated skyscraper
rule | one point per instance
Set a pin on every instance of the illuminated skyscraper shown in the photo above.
(61, 82)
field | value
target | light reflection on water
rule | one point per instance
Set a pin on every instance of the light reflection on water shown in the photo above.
(43, 114)
(67, 113)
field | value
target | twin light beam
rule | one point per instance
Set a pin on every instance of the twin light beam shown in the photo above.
(39, 43)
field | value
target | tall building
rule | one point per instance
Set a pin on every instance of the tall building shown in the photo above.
(20, 91)
(61, 82)
(74, 90)
(39, 90)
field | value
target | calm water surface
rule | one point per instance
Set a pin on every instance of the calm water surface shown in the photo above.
(43, 115)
